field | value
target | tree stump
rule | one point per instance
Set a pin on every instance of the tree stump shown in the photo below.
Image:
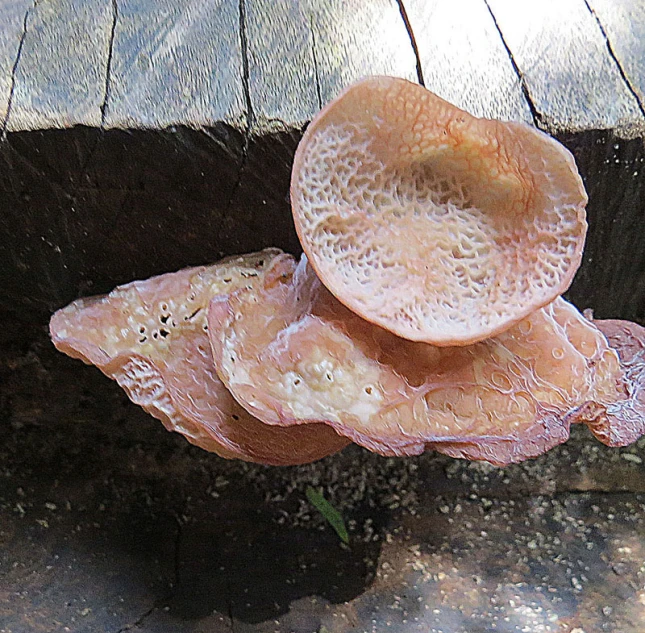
(141, 137)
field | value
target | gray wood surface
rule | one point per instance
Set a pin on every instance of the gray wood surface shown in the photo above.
(572, 81)
(78, 32)
(176, 62)
(191, 63)
(12, 29)
(623, 24)
(302, 53)
(464, 59)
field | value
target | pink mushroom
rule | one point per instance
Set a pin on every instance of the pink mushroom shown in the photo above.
(150, 336)
(436, 225)
(425, 313)
(291, 354)
(622, 421)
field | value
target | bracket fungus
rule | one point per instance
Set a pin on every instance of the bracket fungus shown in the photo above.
(622, 421)
(432, 223)
(150, 336)
(291, 354)
(425, 313)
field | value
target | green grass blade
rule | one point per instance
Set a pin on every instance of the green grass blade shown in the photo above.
(334, 518)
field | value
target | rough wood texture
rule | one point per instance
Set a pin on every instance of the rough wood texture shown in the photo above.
(461, 37)
(623, 25)
(109, 523)
(12, 33)
(176, 63)
(77, 31)
(301, 54)
(191, 113)
(611, 279)
(561, 53)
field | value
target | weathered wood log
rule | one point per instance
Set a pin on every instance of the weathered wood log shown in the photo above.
(138, 140)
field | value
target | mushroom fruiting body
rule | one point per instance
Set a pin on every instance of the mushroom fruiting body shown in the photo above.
(436, 225)
(291, 354)
(425, 313)
(150, 336)
(622, 421)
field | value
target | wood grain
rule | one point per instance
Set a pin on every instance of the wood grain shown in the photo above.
(12, 31)
(282, 64)
(623, 24)
(61, 74)
(357, 39)
(176, 62)
(301, 54)
(562, 56)
(464, 59)
(190, 113)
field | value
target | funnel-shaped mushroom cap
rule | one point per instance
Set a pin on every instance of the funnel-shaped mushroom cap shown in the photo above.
(436, 225)
(150, 336)
(291, 353)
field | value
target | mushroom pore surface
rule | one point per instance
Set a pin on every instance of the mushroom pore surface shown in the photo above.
(436, 225)
(150, 336)
(291, 353)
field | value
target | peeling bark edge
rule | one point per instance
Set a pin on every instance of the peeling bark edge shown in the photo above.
(413, 41)
(612, 54)
(536, 116)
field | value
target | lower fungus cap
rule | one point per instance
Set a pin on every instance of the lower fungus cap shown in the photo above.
(434, 224)
(290, 353)
(622, 421)
(150, 336)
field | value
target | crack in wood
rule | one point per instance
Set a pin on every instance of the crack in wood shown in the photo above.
(612, 54)
(250, 113)
(244, 45)
(413, 41)
(137, 623)
(108, 68)
(315, 61)
(14, 70)
(535, 114)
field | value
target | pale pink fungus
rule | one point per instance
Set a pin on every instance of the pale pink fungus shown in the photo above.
(621, 421)
(436, 225)
(443, 242)
(291, 354)
(150, 336)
